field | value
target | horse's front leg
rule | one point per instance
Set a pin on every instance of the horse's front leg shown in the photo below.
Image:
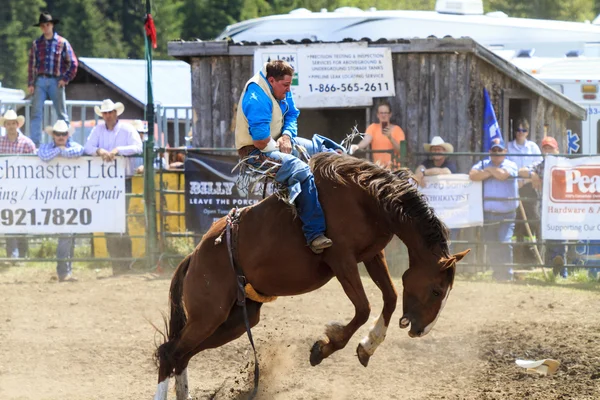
(379, 272)
(338, 335)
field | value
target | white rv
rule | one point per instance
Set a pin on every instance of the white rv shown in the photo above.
(456, 18)
(578, 78)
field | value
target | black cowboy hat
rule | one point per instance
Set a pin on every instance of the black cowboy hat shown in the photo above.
(46, 17)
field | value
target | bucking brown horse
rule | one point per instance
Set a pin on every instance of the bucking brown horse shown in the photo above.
(364, 207)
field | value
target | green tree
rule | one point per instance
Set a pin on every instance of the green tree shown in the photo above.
(205, 19)
(16, 35)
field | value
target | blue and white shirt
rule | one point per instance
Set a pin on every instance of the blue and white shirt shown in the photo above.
(49, 151)
(493, 187)
(257, 107)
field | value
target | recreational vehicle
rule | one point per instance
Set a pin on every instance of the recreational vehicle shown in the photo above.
(456, 18)
(578, 78)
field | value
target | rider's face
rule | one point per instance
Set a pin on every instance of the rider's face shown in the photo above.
(281, 87)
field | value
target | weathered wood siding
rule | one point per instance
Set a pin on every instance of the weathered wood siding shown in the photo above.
(437, 94)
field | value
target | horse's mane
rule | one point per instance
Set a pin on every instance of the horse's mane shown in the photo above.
(395, 192)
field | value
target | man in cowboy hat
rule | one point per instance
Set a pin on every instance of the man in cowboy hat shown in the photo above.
(62, 146)
(52, 65)
(499, 207)
(159, 162)
(14, 142)
(108, 140)
(437, 164)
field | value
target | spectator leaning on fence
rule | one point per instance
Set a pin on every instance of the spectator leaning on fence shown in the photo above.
(528, 155)
(436, 164)
(382, 136)
(52, 65)
(159, 162)
(109, 140)
(14, 142)
(61, 145)
(497, 174)
(556, 250)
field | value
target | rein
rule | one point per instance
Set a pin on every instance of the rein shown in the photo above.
(231, 234)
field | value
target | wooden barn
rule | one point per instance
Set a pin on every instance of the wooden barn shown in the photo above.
(439, 91)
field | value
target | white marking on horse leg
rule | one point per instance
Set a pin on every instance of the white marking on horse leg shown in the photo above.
(161, 390)
(181, 385)
(375, 337)
(430, 326)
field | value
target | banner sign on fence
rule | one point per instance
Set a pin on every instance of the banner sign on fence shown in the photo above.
(335, 75)
(571, 201)
(455, 198)
(211, 190)
(82, 195)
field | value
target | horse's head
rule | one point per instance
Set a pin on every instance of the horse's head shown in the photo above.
(426, 291)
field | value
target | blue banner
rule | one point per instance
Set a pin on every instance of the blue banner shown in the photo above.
(491, 129)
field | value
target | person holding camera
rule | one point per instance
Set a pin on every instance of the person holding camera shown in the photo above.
(384, 138)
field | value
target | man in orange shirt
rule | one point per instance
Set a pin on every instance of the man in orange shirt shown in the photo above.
(382, 136)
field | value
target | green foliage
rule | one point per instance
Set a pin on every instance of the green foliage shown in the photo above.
(114, 28)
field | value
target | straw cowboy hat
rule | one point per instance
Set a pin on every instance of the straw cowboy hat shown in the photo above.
(108, 106)
(59, 126)
(140, 126)
(438, 141)
(11, 115)
(46, 17)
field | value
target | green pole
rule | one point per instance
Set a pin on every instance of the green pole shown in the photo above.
(149, 189)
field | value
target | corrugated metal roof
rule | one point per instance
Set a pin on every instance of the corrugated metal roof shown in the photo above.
(172, 81)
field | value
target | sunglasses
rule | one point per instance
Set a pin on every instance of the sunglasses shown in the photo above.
(497, 150)
(60, 134)
(522, 130)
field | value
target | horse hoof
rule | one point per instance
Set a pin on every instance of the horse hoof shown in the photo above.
(363, 356)
(315, 354)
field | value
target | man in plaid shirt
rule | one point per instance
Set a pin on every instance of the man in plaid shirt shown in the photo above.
(62, 146)
(14, 142)
(52, 65)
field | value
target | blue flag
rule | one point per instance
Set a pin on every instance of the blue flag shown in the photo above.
(491, 129)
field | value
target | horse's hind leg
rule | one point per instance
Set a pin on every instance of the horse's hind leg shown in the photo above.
(229, 330)
(178, 354)
(378, 270)
(338, 335)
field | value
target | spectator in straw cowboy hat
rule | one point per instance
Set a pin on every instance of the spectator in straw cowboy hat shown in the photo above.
(62, 146)
(14, 142)
(109, 140)
(436, 164)
(52, 65)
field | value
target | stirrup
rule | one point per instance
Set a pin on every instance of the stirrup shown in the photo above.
(320, 243)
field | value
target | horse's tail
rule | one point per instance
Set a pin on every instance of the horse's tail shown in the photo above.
(177, 320)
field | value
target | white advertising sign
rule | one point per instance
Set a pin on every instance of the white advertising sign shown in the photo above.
(571, 200)
(82, 195)
(334, 75)
(455, 198)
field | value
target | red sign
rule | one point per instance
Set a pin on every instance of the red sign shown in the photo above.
(580, 184)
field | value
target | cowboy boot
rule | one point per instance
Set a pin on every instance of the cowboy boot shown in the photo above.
(320, 243)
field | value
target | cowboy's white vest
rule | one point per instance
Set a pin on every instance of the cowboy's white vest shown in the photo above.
(242, 132)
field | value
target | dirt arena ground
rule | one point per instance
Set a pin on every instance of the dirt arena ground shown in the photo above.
(92, 340)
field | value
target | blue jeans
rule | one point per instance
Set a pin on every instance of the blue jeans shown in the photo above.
(296, 175)
(64, 253)
(499, 255)
(16, 247)
(46, 88)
